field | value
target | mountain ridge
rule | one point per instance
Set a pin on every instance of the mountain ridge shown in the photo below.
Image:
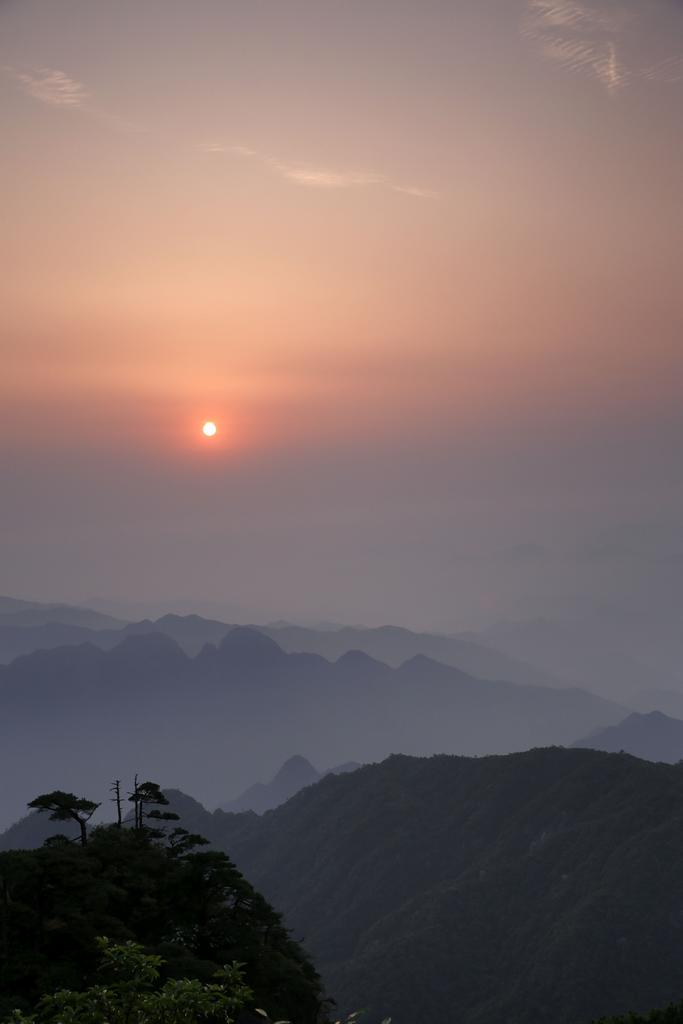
(147, 703)
(500, 881)
(652, 736)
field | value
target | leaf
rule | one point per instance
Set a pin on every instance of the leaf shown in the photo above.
(262, 1012)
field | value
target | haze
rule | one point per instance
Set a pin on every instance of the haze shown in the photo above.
(420, 261)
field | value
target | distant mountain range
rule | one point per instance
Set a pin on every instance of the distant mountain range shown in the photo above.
(592, 654)
(652, 736)
(295, 774)
(582, 653)
(236, 711)
(41, 627)
(33, 829)
(25, 614)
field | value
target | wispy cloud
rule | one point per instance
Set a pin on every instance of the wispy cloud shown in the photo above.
(316, 177)
(669, 71)
(598, 60)
(419, 193)
(51, 86)
(221, 147)
(57, 89)
(567, 14)
(310, 176)
(596, 38)
(579, 37)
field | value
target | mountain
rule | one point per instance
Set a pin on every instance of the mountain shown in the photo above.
(191, 632)
(193, 910)
(16, 640)
(666, 700)
(235, 712)
(9, 605)
(579, 652)
(295, 773)
(394, 645)
(653, 736)
(388, 644)
(32, 830)
(537, 886)
(14, 612)
(532, 887)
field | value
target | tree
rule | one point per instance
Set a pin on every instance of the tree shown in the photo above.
(132, 994)
(181, 842)
(192, 908)
(115, 788)
(146, 794)
(66, 807)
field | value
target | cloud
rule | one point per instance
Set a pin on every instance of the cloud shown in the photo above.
(580, 37)
(310, 176)
(566, 14)
(598, 60)
(669, 71)
(419, 193)
(222, 147)
(597, 38)
(57, 89)
(315, 177)
(52, 87)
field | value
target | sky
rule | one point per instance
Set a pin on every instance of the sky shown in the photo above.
(418, 259)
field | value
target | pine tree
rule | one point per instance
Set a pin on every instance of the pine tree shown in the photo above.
(66, 807)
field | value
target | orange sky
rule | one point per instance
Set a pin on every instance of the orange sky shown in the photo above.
(415, 233)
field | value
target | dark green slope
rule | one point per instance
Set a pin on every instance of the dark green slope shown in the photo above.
(535, 887)
(193, 908)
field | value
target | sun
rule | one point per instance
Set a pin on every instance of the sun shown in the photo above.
(209, 428)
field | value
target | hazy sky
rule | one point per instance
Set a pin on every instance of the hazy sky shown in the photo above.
(419, 259)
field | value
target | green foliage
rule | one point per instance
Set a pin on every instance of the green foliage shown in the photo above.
(133, 994)
(536, 887)
(192, 908)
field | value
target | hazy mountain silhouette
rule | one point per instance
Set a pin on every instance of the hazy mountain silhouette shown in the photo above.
(191, 632)
(669, 701)
(16, 640)
(579, 652)
(516, 888)
(295, 773)
(389, 644)
(14, 612)
(235, 712)
(652, 736)
(32, 830)
(394, 645)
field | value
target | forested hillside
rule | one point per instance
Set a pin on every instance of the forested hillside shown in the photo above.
(459, 890)
(534, 887)
(190, 906)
